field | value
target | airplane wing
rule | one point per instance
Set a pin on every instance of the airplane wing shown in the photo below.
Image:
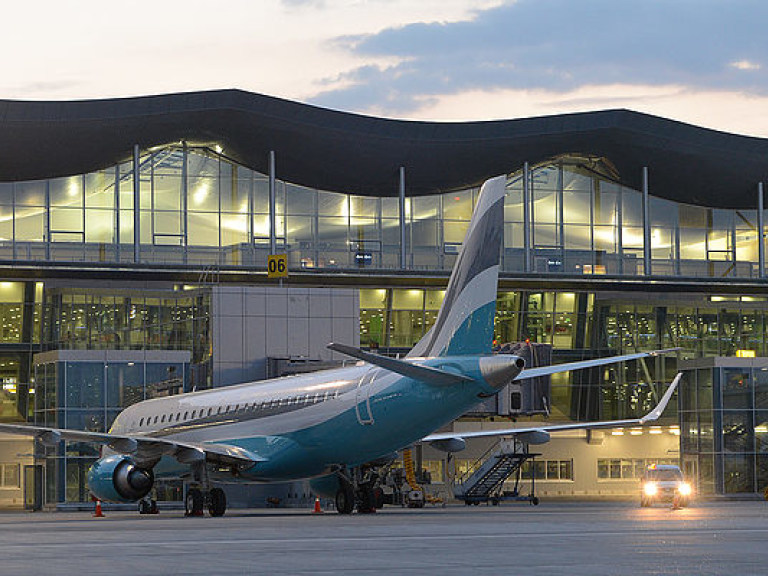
(142, 448)
(540, 434)
(556, 368)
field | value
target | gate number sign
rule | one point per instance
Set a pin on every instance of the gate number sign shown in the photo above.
(277, 266)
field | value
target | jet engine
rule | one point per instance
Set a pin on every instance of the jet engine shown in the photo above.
(117, 478)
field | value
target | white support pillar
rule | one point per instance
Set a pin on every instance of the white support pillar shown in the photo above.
(646, 225)
(136, 205)
(272, 205)
(403, 252)
(527, 218)
(760, 231)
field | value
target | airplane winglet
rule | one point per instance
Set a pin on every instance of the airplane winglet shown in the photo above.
(659, 409)
(415, 371)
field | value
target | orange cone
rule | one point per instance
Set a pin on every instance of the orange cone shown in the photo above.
(98, 513)
(318, 509)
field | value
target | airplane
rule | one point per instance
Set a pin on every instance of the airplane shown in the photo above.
(329, 426)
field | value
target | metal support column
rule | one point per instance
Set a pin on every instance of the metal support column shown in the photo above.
(272, 205)
(136, 206)
(760, 231)
(646, 225)
(526, 218)
(185, 200)
(403, 254)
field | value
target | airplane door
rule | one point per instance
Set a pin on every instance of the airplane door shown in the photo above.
(363, 397)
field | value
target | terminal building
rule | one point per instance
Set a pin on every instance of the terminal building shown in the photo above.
(134, 236)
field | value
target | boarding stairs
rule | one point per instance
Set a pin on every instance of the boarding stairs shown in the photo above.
(485, 479)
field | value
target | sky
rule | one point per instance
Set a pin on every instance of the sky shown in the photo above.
(699, 61)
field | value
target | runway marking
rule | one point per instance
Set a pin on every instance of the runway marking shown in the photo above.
(379, 538)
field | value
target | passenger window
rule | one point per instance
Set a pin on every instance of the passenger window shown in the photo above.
(210, 411)
(186, 415)
(141, 422)
(178, 416)
(194, 413)
(156, 417)
(237, 407)
(219, 410)
(162, 419)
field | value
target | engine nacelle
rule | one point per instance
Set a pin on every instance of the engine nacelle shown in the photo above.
(117, 478)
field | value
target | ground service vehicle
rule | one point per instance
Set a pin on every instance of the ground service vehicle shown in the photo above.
(664, 483)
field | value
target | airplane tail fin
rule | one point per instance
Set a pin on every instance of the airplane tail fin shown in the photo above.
(464, 324)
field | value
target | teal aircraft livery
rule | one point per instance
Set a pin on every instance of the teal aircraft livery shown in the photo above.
(326, 425)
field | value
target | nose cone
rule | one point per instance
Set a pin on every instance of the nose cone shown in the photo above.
(500, 370)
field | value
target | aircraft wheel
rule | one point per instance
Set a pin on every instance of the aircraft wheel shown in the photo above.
(145, 507)
(378, 498)
(535, 500)
(345, 499)
(217, 504)
(193, 504)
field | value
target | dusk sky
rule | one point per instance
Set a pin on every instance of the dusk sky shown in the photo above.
(699, 61)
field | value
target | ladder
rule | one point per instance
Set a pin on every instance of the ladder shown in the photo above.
(486, 477)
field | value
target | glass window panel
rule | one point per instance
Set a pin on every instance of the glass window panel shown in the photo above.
(663, 243)
(203, 195)
(373, 298)
(67, 219)
(577, 206)
(125, 384)
(203, 229)
(738, 431)
(514, 210)
(234, 229)
(663, 212)
(6, 193)
(693, 244)
(164, 378)
(545, 235)
(99, 226)
(300, 200)
(333, 230)
(407, 299)
(631, 208)
(606, 239)
(363, 229)
(261, 226)
(632, 237)
(390, 207)
(761, 388)
(30, 193)
(737, 392)
(299, 229)
(546, 178)
(423, 207)
(166, 223)
(606, 204)
(574, 180)
(433, 299)
(100, 189)
(234, 193)
(29, 224)
(167, 162)
(693, 216)
(738, 473)
(578, 237)
(85, 384)
(545, 207)
(454, 232)
(167, 193)
(67, 191)
(126, 187)
(363, 207)
(457, 205)
(126, 226)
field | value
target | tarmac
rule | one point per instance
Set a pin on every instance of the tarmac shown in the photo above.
(554, 538)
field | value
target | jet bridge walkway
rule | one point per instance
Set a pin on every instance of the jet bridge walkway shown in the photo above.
(485, 479)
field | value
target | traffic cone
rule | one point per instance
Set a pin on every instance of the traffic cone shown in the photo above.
(676, 503)
(318, 509)
(98, 513)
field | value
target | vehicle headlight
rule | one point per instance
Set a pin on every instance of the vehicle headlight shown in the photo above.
(650, 489)
(684, 489)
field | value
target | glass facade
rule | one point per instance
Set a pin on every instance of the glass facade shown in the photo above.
(193, 205)
(724, 424)
(88, 395)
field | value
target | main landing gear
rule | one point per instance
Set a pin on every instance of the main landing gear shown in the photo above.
(197, 500)
(360, 490)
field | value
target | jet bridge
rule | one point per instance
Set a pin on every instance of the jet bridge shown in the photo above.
(485, 479)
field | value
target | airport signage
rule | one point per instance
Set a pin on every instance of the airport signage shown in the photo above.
(277, 266)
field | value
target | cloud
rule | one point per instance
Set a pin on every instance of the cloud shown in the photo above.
(558, 45)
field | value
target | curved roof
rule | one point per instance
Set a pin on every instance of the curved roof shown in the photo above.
(345, 152)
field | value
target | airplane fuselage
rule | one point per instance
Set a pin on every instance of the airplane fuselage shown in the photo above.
(310, 425)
